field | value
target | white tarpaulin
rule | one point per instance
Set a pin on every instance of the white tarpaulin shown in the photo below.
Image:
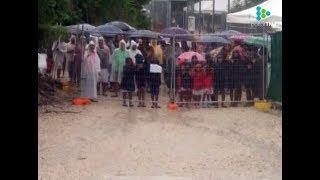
(248, 16)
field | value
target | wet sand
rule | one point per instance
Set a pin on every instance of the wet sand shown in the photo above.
(107, 141)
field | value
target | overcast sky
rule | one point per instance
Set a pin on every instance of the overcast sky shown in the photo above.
(222, 4)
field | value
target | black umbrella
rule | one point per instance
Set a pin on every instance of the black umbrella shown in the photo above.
(87, 28)
(107, 30)
(144, 33)
(122, 25)
(179, 33)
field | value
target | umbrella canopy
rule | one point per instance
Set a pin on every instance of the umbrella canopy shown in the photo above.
(256, 40)
(239, 37)
(179, 33)
(79, 27)
(212, 39)
(108, 30)
(186, 56)
(259, 41)
(144, 33)
(228, 33)
(122, 25)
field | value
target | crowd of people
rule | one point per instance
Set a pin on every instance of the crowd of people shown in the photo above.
(98, 65)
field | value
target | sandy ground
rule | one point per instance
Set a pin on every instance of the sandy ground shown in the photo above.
(107, 141)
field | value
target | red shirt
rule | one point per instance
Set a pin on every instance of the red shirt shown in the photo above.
(208, 81)
(198, 80)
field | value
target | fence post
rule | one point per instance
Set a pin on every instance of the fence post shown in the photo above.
(174, 69)
(263, 64)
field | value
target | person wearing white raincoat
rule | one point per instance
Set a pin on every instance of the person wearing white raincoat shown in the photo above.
(59, 49)
(89, 73)
(134, 51)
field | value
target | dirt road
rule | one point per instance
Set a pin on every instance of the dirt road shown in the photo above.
(107, 141)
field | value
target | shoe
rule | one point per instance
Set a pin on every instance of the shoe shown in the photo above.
(125, 105)
(94, 100)
(131, 105)
(139, 105)
(153, 106)
(143, 105)
(114, 96)
(104, 94)
(157, 106)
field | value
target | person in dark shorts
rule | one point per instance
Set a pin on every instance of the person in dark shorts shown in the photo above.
(155, 82)
(236, 77)
(127, 83)
(185, 91)
(249, 80)
(220, 66)
(141, 78)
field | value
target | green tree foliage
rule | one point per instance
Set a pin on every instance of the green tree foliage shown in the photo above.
(52, 13)
(238, 5)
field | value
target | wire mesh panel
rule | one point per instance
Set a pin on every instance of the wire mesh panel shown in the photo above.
(193, 70)
(219, 73)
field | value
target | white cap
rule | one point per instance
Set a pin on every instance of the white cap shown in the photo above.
(133, 43)
(91, 43)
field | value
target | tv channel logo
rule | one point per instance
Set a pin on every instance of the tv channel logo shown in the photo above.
(262, 13)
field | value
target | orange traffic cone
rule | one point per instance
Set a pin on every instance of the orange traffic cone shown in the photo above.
(172, 106)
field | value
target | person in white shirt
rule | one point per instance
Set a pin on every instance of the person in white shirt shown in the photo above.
(134, 51)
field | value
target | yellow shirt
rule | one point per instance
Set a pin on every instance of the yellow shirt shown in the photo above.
(158, 54)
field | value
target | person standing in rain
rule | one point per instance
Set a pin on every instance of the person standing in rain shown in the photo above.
(104, 54)
(184, 46)
(89, 73)
(118, 60)
(134, 51)
(70, 58)
(59, 50)
(78, 60)
(158, 53)
(143, 46)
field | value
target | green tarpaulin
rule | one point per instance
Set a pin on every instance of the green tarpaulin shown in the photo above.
(275, 86)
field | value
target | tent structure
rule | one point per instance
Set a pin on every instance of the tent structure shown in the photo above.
(275, 86)
(248, 16)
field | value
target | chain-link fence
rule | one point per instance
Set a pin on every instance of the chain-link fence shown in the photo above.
(204, 70)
